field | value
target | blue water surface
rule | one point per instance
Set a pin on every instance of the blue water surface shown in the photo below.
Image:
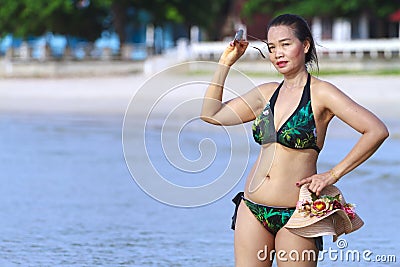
(68, 199)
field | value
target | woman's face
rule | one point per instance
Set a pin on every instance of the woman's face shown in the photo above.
(287, 52)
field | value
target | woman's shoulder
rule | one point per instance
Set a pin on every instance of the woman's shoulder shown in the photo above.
(327, 95)
(267, 89)
(322, 88)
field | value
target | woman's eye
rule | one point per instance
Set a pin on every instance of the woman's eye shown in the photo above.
(285, 44)
(271, 48)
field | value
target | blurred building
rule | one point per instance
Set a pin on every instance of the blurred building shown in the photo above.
(364, 26)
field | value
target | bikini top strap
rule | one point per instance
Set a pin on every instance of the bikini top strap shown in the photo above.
(274, 96)
(307, 88)
(306, 96)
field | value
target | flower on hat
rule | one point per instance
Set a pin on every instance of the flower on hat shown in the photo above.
(349, 209)
(324, 205)
(321, 206)
(300, 204)
(337, 205)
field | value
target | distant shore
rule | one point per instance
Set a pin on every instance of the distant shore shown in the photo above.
(259, 67)
(62, 69)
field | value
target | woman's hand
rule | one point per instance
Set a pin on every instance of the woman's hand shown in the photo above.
(318, 182)
(233, 52)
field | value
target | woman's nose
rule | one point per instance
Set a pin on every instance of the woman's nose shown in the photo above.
(278, 52)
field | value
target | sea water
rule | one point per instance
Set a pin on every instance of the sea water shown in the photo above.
(67, 199)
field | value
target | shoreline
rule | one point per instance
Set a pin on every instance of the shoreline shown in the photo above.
(113, 93)
(17, 69)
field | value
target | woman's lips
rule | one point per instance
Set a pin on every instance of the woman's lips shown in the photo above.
(281, 64)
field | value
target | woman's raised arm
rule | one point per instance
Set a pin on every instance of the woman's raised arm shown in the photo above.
(238, 110)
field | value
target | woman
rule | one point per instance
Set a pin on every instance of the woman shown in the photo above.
(288, 156)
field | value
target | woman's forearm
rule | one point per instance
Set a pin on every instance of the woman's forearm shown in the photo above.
(212, 102)
(363, 149)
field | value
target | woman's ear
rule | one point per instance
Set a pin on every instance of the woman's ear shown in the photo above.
(306, 44)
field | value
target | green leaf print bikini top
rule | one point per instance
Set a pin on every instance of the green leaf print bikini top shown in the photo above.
(298, 132)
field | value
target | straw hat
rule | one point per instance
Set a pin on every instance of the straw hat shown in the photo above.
(329, 214)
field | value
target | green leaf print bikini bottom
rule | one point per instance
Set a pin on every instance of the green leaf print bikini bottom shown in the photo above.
(272, 218)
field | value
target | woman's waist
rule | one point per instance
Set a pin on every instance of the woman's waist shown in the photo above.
(273, 191)
(279, 176)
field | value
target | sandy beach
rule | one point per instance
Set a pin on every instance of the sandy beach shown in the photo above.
(111, 95)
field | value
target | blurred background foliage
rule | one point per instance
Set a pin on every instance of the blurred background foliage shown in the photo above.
(332, 8)
(85, 18)
(26, 18)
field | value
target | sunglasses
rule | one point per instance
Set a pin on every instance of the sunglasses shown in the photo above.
(259, 50)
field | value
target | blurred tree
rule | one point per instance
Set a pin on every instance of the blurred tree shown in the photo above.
(334, 8)
(35, 17)
(208, 14)
(377, 11)
(85, 18)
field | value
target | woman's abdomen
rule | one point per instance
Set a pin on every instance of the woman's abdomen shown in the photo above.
(275, 185)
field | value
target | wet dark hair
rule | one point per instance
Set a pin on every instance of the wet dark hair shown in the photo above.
(301, 31)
